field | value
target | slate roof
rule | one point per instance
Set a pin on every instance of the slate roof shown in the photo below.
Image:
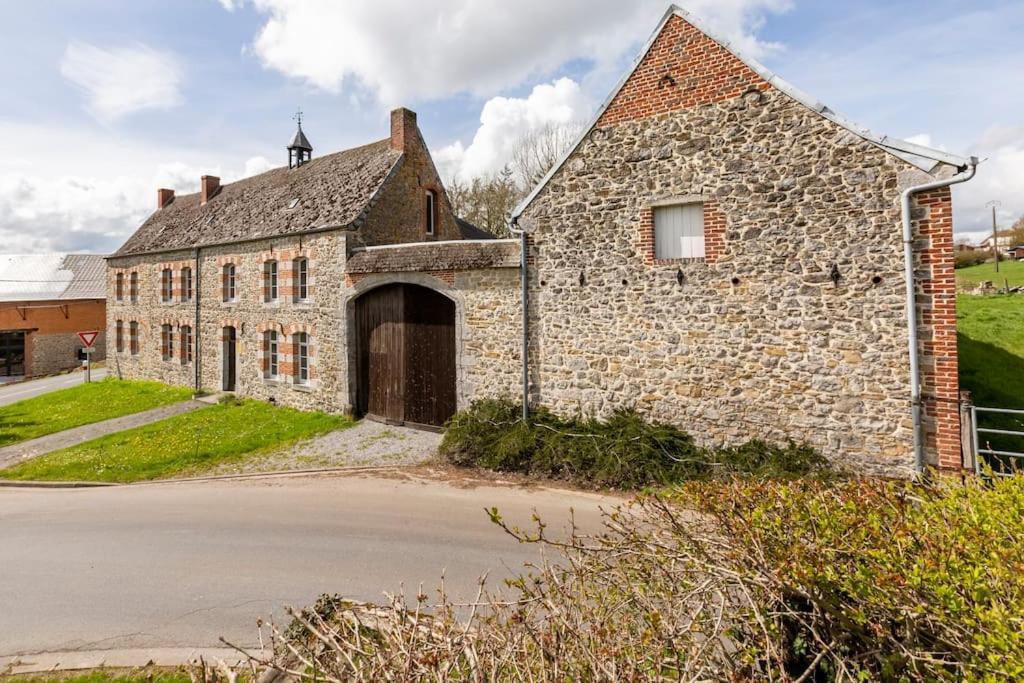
(427, 256)
(330, 191)
(471, 232)
(52, 277)
(300, 141)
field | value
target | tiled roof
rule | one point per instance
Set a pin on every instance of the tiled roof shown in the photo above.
(434, 256)
(48, 277)
(471, 232)
(329, 191)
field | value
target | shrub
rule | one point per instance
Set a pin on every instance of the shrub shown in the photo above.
(736, 581)
(974, 257)
(624, 451)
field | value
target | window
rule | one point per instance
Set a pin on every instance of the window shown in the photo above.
(431, 215)
(133, 287)
(270, 281)
(302, 358)
(167, 285)
(301, 268)
(271, 359)
(167, 342)
(186, 284)
(119, 336)
(679, 231)
(119, 286)
(133, 337)
(229, 282)
(186, 344)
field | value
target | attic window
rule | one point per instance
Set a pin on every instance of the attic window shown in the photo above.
(293, 203)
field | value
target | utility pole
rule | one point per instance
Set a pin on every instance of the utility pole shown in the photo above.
(995, 203)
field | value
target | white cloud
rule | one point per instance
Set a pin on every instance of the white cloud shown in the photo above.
(403, 51)
(123, 80)
(1000, 177)
(504, 121)
(921, 139)
(72, 195)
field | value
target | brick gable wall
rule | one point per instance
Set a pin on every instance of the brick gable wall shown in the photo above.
(684, 68)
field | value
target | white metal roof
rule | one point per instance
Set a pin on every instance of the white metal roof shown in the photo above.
(919, 156)
(47, 277)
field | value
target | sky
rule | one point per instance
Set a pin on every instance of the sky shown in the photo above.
(103, 102)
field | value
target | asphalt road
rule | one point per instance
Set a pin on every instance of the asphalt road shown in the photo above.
(12, 393)
(179, 564)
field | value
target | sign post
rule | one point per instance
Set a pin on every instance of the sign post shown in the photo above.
(88, 339)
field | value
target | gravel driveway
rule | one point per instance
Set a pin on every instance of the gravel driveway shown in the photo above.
(368, 444)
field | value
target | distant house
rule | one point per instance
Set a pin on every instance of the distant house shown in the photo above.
(45, 301)
(963, 246)
(1016, 252)
(1004, 240)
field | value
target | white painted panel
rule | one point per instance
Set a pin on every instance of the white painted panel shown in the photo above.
(679, 231)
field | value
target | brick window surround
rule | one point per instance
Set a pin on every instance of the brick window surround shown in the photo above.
(714, 232)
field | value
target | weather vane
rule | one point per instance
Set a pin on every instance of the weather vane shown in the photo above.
(298, 116)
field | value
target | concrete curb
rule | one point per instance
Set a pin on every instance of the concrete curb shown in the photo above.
(13, 484)
(191, 480)
(76, 660)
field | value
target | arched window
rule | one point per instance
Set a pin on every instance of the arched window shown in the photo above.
(270, 281)
(300, 276)
(133, 337)
(186, 284)
(167, 285)
(167, 342)
(186, 344)
(133, 287)
(119, 286)
(119, 335)
(301, 357)
(228, 282)
(271, 355)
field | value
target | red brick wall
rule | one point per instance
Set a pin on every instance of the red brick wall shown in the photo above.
(684, 68)
(937, 318)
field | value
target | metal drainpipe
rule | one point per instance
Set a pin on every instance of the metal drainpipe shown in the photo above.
(516, 230)
(963, 176)
(197, 281)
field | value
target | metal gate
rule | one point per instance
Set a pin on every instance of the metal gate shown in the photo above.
(999, 456)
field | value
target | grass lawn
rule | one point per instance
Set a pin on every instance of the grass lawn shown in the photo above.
(81, 405)
(147, 675)
(1008, 270)
(186, 444)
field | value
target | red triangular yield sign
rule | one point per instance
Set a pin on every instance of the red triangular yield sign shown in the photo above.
(88, 338)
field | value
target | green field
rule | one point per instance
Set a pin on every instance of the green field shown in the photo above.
(81, 405)
(991, 335)
(1013, 271)
(184, 445)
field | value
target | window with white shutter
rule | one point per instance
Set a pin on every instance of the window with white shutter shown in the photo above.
(679, 231)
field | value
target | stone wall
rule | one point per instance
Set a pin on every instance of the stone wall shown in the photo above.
(757, 341)
(320, 317)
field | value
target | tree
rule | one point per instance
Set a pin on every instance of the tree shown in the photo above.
(539, 150)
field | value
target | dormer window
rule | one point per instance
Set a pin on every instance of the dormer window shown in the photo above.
(431, 212)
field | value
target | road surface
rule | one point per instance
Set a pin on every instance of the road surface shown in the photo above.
(11, 393)
(179, 564)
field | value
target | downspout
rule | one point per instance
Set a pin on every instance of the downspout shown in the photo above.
(516, 230)
(965, 174)
(197, 292)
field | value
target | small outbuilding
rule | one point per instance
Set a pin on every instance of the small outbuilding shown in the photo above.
(45, 301)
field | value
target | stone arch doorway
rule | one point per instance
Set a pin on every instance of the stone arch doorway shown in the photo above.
(405, 355)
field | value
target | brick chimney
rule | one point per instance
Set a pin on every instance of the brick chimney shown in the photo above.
(403, 128)
(163, 197)
(210, 185)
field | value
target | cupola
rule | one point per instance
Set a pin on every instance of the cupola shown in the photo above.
(299, 151)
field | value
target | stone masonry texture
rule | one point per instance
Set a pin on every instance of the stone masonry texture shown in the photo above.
(756, 340)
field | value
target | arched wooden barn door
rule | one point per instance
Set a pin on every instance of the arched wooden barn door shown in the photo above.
(405, 337)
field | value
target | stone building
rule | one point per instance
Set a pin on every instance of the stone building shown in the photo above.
(723, 252)
(717, 251)
(45, 301)
(252, 286)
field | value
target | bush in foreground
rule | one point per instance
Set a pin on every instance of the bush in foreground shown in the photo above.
(624, 451)
(741, 580)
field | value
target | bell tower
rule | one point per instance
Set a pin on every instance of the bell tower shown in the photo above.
(299, 151)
